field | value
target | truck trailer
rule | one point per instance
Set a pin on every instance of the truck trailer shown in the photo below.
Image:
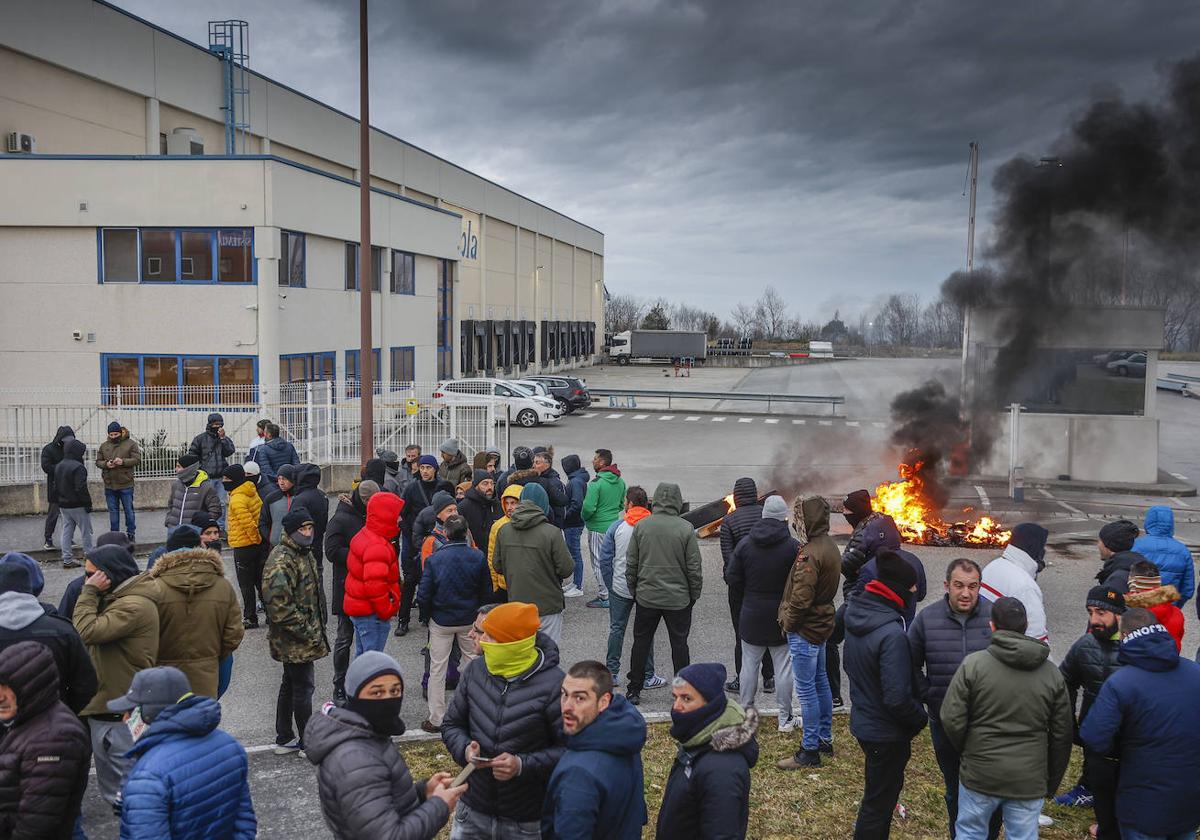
(658, 345)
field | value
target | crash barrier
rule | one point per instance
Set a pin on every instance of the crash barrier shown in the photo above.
(631, 396)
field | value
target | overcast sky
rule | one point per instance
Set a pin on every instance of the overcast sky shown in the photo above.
(819, 147)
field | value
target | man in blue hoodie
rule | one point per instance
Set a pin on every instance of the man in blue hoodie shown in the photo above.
(596, 788)
(1146, 714)
(1159, 546)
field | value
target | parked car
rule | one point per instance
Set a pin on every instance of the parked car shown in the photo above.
(1134, 365)
(1103, 359)
(569, 390)
(536, 389)
(524, 407)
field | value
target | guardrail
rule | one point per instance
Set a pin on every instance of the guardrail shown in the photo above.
(833, 400)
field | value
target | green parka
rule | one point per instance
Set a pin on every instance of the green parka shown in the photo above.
(604, 501)
(120, 629)
(125, 448)
(532, 556)
(663, 558)
(291, 595)
(807, 604)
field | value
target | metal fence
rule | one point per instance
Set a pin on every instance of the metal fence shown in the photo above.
(321, 419)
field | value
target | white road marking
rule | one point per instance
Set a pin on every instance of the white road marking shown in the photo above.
(799, 422)
(718, 419)
(772, 420)
(615, 416)
(1180, 502)
(691, 419)
(1045, 492)
(851, 422)
(588, 414)
(825, 422)
(983, 496)
(1180, 477)
(640, 416)
(667, 417)
(879, 425)
(745, 419)
(1073, 510)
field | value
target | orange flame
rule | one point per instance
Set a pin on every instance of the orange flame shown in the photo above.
(908, 504)
(729, 503)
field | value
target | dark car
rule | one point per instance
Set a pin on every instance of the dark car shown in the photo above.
(568, 390)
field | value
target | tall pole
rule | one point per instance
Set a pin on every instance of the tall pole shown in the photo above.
(366, 358)
(974, 178)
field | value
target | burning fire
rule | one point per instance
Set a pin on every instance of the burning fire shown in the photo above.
(729, 503)
(908, 504)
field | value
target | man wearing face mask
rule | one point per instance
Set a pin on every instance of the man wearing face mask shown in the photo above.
(210, 530)
(418, 495)
(191, 779)
(365, 786)
(1091, 660)
(212, 448)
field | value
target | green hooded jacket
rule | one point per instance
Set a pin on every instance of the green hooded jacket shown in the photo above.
(1008, 713)
(532, 555)
(663, 559)
(604, 501)
(807, 604)
(120, 629)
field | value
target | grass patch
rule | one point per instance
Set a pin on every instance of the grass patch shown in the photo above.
(818, 805)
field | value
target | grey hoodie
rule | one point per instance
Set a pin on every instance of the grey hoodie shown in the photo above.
(18, 610)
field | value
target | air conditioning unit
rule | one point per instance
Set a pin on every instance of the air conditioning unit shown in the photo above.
(18, 143)
(185, 141)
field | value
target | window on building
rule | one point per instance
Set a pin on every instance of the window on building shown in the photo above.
(158, 256)
(147, 379)
(376, 268)
(404, 279)
(445, 319)
(352, 266)
(122, 378)
(291, 259)
(195, 260)
(236, 378)
(199, 378)
(235, 255)
(354, 372)
(119, 258)
(307, 367)
(404, 366)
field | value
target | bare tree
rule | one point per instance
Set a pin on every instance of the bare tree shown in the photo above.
(770, 313)
(623, 312)
(745, 321)
(941, 324)
(899, 319)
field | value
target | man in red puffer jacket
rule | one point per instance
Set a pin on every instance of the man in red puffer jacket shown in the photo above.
(373, 573)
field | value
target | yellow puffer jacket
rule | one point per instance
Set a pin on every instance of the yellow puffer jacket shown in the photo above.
(513, 491)
(242, 518)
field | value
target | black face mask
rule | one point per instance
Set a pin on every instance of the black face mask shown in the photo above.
(215, 545)
(229, 486)
(382, 715)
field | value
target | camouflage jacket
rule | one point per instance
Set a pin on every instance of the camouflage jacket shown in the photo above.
(296, 624)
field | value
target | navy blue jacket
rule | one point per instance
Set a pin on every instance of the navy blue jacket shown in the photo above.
(758, 574)
(1146, 714)
(272, 454)
(870, 536)
(870, 572)
(577, 482)
(596, 788)
(455, 582)
(190, 780)
(940, 639)
(883, 702)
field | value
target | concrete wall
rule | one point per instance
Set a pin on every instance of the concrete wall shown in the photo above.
(1087, 448)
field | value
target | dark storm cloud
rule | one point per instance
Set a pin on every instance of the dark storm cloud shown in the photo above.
(723, 146)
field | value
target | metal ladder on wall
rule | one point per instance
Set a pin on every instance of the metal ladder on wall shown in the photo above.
(229, 40)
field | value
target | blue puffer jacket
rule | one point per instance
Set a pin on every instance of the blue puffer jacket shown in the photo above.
(455, 582)
(1172, 557)
(596, 787)
(273, 454)
(883, 702)
(1146, 714)
(190, 780)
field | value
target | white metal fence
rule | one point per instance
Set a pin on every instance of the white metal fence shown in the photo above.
(321, 419)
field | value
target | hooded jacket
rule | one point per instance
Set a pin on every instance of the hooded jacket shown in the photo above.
(52, 453)
(418, 495)
(1086, 666)
(1158, 545)
(272, 454)
(70, 478)
(191, 780)
(307, 493)
(212, 449)
(372, 565)
(613, 551)
(663, 569)
(759, 571)
(870, 536)
(499, 584)
(44, 755)
(456, 470)
(1013, 574)
(120, 629)
(1146, 714)
(1161, 602)
(737, 523)
(707, 796)
(1008, 714)
(940, 639)
(577, 484)
(878, 662)
(347, 521)
(454, 584)
(366, 789)
(191, 492)
(481, 513)
(521, 716)
(604, 500)
(532, 555)
(1115, 570)
(556, 491)
(125, 448)
(23, 619)
(199, 617)
(807, 603)
(870, 571)
(596, 789)
(292, 598)
(241, 522)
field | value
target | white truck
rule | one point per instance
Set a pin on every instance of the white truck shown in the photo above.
(658, 345)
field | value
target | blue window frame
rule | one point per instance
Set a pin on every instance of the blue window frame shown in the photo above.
(404, 273)
(293, 264)
(445, 319)
(174, 379)
(404, 366)
(176, 255)
(352, 371)
(307, 367)
(352, 266)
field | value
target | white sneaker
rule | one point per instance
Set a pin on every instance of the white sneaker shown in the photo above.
(289, 748)
(787, 724)
(1044, 821)
(654, 682)
(573, 591)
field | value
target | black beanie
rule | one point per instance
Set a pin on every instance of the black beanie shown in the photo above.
(184, 536)
(522, 458)
(1106, 598)
(1119, 535)
(480, 475)
(857, 506)
(896, 573)
(295, 519)
(375, 470)
(187, 459)
(441, 501)
(15, 578)
(204, 520)
(117, 538)
(114, 561)
(235, 474)
(1031, 537)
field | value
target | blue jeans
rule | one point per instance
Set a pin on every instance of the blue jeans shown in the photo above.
(1128, 833)
(223, 495)
(370, 633)
(975, 813)
(619, 610)
(573, 535)
(812, 688)
(117, 499)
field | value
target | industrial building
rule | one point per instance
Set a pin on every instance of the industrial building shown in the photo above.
(174, 219)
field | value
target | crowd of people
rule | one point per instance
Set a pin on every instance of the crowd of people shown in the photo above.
(126, 673)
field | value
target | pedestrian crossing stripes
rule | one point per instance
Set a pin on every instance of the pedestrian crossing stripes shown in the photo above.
(769, 421)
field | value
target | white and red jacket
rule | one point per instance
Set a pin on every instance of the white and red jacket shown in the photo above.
(1014, 575)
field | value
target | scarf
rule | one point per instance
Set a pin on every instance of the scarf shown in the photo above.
(635, 515)
(686, 727)
(510, 659)
(879, 588)
(612, 468)
(731, 715)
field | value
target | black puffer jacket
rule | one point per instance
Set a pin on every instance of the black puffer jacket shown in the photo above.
(481, 512)
(1086, 666)
(213, 450)
(418, 495)
(1115, 571)
(365, 788)
(52, 453)
(521, 716)
(348, 520)
(44, 755)
(553, 484)
(738, 523)
(23, 619)
(883, 704)
(308, 494)
(759, 571)
(876, 532)
(70, 478)
(940, 639)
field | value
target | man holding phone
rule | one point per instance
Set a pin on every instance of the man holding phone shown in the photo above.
(506, 720)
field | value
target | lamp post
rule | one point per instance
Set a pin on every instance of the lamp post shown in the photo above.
(365, 263)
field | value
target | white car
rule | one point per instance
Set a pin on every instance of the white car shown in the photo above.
(540, 389)
(524, 407)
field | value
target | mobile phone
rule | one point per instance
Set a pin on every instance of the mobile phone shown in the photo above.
(480, 761)
(462, 777)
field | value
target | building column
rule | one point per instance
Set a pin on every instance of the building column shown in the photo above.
(152, 126)
(271, 308)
